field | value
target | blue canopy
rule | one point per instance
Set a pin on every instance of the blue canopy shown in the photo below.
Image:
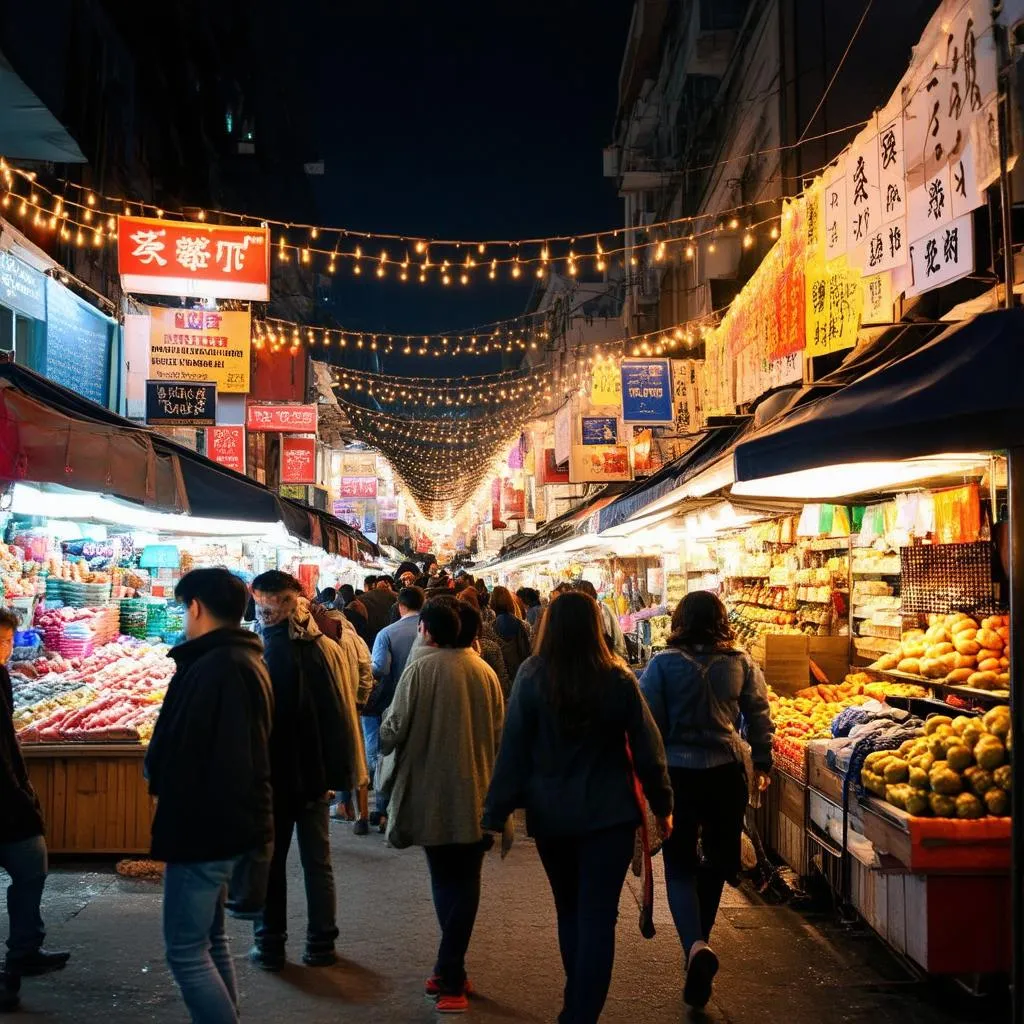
(959, 392)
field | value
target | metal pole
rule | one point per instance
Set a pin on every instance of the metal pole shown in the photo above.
(1005, 123)
(1015, 490)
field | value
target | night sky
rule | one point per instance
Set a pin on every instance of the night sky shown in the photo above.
(462, 120)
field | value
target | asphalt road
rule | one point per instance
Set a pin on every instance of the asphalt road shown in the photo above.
(777, 964)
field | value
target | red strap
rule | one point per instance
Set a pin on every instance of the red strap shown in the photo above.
(645, 839)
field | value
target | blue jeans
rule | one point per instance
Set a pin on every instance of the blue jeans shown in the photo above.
(371, 738)
(25, 862)
(586, 873)
(197, 946)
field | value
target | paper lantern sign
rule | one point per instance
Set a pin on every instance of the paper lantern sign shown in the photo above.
(226, 445)
(298, 460)
(160, 257)
(647, 391)
(281, 419)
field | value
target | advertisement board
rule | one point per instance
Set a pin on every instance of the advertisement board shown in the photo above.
(180, 405)
(281, 419)
(647, 391)
(226, 445)
(201, 345)
(298, 460)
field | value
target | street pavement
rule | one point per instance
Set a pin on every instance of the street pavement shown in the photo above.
(777, 964)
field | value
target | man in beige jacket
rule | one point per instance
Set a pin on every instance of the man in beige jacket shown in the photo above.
(443, 729)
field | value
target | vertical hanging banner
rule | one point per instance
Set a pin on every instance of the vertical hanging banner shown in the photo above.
(162, 257)
(497, 523)
(834, 305)
(298, 460)
(647, 391)
(226, 445)
(563, 433)
(201, 345)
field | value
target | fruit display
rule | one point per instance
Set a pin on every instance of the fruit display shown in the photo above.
(661, 627)
(808, 714)
(955, 649)
(958, 768)
(112, 695)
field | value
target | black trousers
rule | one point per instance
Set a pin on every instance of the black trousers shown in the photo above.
(586, 873)
(455, 884)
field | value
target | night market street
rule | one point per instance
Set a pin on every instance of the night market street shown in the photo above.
(776, 964)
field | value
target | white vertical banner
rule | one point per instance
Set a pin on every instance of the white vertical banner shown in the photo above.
(835, 210)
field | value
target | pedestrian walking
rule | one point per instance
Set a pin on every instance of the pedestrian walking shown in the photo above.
(315, 747)
(390, 653)
(22, 846)
(564, 758)
(530, 600)
(378, 600)
(208, 765)
(697, 689)
(512, 631)
(442, 731)
(486, 642)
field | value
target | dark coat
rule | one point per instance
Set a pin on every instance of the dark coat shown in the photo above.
(208, 763)
(306, 752)
(20, 814)
(574, 784)
(514, 638)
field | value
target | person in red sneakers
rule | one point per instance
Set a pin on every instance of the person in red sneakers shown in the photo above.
(442, 732)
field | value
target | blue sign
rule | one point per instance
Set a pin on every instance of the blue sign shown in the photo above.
(78, 342)
(600, 430)
(647, 391)
(22, 288)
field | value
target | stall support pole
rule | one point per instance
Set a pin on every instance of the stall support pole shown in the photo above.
(1005, 127)
(1016, 545)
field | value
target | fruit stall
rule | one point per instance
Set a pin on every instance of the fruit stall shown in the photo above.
(90, 665)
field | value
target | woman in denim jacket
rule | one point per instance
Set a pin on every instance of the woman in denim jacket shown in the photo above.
(697, 690)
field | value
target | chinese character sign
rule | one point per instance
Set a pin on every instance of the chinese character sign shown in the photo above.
(189, 345)
(834, 300)
(298, 460)
(943, 255)
(161, 257)
(358, 487)
(226, 445)
(605, 383)
(281, 419)
(180, 405)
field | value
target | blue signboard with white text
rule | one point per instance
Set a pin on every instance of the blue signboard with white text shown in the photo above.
(647, 391)
(78, 344)
(600, 430)
(22, 288)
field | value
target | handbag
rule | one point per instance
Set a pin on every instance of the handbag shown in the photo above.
(648, 842)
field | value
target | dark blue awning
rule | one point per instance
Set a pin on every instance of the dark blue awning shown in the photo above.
(710, 447)
(960, 392)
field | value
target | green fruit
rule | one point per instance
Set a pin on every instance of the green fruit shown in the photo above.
(944, 780)
(969, 806)
(918, 778)
(1002, 776)
(959, 757)
(980, 781)
(917, 803)
(896, 771)
(942, 806)
(997, 801)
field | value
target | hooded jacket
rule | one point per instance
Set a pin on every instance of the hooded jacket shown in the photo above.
(20, 814)
(208, 762)
(316, 744)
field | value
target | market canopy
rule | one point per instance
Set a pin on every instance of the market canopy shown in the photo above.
(959, 392)
(51, 435)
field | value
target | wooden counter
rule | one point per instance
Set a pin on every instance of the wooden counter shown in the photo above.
(94, 798)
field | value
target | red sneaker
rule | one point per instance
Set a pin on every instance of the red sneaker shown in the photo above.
(452, 1004)
(432, 986)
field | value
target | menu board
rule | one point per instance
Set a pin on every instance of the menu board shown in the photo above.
(77, 344)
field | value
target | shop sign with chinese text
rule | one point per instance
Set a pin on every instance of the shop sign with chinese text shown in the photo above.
(298, 460)
(281, 419)
(180, 405)
(189, 345)
(226, 445)
(162, 257)
(358, 487)
(605, 384)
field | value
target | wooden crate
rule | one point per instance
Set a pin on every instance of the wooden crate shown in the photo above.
(788, 827)
(94, 799)
(786, 659)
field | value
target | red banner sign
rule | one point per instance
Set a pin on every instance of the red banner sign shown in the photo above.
(298, 460)
(163, 257)
(226, 445)
(358, 487)
(281, 419)
(550, 471)
(497, 523)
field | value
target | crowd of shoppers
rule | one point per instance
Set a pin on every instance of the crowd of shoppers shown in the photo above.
(261, 727)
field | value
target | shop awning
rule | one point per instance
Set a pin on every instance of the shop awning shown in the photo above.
(677, 472)
(49, 434)
(959, 392)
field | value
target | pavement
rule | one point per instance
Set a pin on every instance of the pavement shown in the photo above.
(778, 964)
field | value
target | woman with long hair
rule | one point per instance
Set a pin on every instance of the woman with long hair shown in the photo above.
(564, 758)
(697, 690)
(513, 634)
(486, 641)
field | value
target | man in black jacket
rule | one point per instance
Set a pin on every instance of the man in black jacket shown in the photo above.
(22, 847)
(310, 757)
(208, 765)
